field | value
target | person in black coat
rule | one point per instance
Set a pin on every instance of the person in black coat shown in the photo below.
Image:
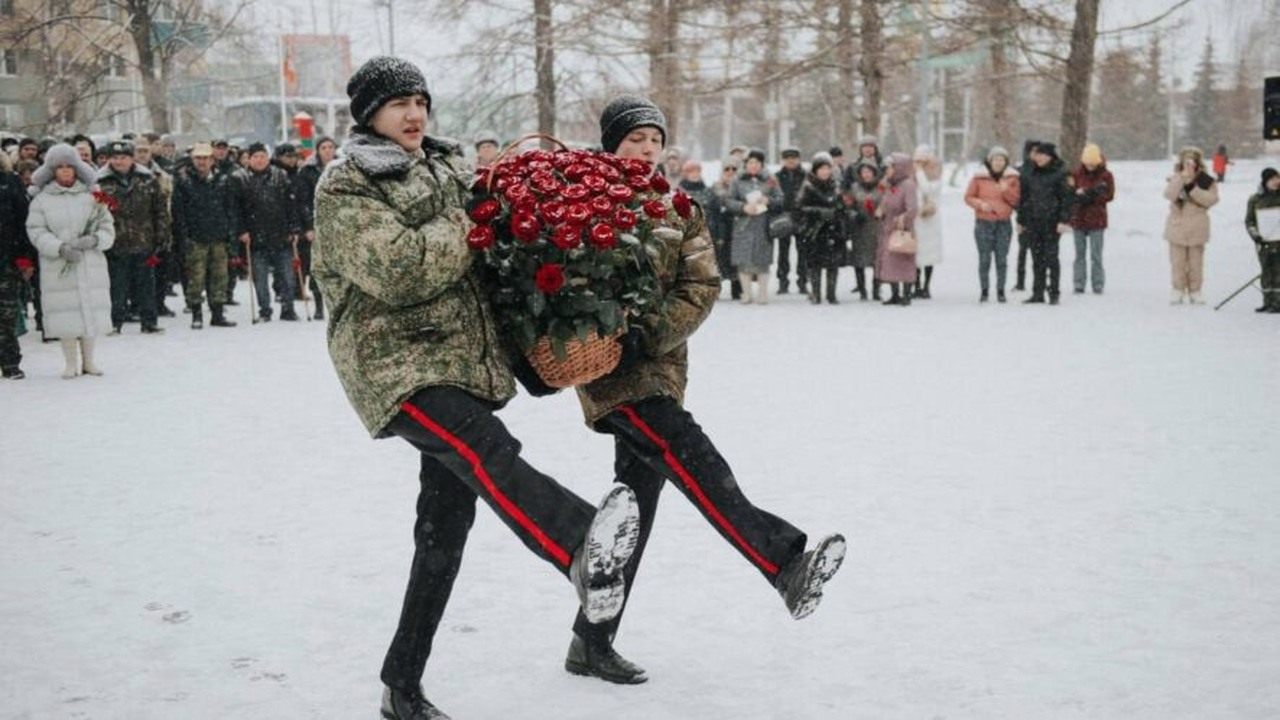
(17, 265)
(822, 232)
(267, 224)
(790, 178)
(305, 187)
(202, 227)
(1024, 245)
(1044, 212)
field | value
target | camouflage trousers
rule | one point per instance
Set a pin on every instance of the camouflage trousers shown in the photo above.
(206, 271)
(10, 286)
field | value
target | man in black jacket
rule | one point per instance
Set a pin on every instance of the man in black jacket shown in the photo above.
(17, 264)
(1043, 214)
(267, 224)
(202, 225)
(790, 179)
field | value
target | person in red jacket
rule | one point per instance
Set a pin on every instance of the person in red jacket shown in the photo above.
(1220, 163)
(1095, 187)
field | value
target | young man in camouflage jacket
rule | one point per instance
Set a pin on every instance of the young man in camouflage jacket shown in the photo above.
(641, 404)
(414, 345)
(143, 230)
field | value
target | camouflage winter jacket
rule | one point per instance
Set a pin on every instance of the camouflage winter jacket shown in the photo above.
(143, 223)
(690, 284)
(390, 254)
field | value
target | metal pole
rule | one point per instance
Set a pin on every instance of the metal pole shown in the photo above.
(284, 112)
(391, 26)
(922, 79)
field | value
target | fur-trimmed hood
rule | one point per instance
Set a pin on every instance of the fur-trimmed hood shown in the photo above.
(377, 156)
(105, 171)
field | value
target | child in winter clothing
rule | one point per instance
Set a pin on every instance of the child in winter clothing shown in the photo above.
(1268, 246)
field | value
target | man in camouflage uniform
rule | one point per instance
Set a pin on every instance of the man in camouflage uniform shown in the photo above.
(17, 265)
(656, 440)
(414, 345)
(169, 271)
(202, 226)
(142, 230)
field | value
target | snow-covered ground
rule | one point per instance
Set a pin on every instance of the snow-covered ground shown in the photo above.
(1053, 513)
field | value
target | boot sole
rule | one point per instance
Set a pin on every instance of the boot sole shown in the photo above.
(610, 541)
(823, 564)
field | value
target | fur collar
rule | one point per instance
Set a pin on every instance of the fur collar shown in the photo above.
(985, 172)
(377, 156)
(105, 171)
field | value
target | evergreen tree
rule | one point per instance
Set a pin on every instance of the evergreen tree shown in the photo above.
(1203, 129)
(1117, 123)
(1152, 98)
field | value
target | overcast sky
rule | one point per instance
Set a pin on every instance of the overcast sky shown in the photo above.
(425, 40)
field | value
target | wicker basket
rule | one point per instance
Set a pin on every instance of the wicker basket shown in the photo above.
(586, 361)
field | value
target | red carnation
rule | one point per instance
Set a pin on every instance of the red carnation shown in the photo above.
(660, 184)
(485, 211)
(549, 278)
(655, 209)
(578, 213)
(567, 237)
(480, 237)
(682, 203)
(525, 227)
(624, 219)
(603, 236)
(869, 205)
(601, 205)
(23, 263)
(620, 193)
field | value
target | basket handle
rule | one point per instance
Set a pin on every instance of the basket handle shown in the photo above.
(517, 143)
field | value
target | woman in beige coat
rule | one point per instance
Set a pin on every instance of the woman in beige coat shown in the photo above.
(1191, 192)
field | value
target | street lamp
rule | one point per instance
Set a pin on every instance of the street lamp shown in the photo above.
(390, 5)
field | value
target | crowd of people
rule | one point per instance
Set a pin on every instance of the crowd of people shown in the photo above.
(215, 214)
(96, 238)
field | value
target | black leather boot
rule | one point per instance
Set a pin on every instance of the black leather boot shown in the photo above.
(219, 318)
(401, 705)
(197, 317)
(597, 658)
(832, 274)
(801, 579)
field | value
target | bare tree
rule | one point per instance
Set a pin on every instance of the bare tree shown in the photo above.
(544, 66)
(1079, 79)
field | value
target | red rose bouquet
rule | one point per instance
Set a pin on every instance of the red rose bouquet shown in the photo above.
(567, 238)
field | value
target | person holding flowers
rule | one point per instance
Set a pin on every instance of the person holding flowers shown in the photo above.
(641, 403)
(415, 346)
(71, 225)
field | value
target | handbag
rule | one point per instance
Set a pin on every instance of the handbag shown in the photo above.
(902, 241)
(781, 226)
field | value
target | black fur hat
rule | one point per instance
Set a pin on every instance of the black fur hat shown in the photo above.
(625, 114)
(380, 79)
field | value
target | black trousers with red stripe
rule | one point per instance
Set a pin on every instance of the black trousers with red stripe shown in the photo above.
(467, 453)
(658, 441)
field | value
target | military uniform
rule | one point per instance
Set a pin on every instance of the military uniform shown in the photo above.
(202, 226)
(1268, 248)
(143, 229)
(16, 252)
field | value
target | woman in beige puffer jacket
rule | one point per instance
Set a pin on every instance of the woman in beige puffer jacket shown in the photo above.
(1191, 192)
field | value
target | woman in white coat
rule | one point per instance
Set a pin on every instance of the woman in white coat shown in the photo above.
(71, 229)
(929, 222)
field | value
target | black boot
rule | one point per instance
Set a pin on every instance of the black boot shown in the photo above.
(288, 314)
(894, 299)
(401, 705)
(197, 317)
(801, 579)
(815, 286)
(319, 313)
(832, 274)
(860, 274)
(907, 291)
(735, 287)
(592, 658)
(875, 289)
(12, 372)
(219, 319)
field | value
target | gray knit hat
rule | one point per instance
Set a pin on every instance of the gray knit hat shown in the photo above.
(380, 79)
(625, 114)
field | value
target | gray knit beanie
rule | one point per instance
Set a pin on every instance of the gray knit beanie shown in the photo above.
(380, 79)
(625, 114)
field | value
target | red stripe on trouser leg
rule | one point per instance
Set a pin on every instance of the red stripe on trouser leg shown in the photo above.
(477, 467)
(705, 502)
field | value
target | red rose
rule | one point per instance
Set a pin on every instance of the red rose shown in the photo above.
(542, 181)
(517, 191)
(577, 171)
(480, 237)
(601, 205)
(660, 184)
(578, 213)
(682, 203)
(23, 263)
(576, 192)
(553, 211)
(603, 236)
(152, 261)
(549, 278)
(635, 166)
(869, 205)
(538, 156)
(638, 182)
(540, 166)
(525, 227)
(624, 219)
(620, 193)
(655, 209)
(595, 183)
(485, 211)
(503, 182)
(567, 237)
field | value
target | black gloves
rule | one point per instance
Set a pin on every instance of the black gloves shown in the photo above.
(633, 349)
(529, 378)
